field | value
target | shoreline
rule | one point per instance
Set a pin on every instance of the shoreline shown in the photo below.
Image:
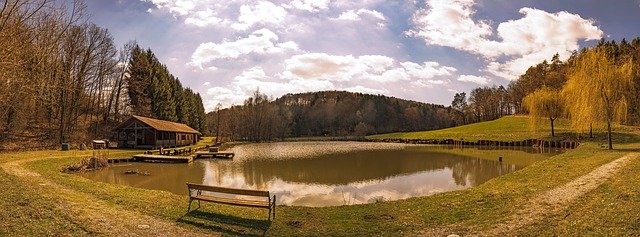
(494, 199)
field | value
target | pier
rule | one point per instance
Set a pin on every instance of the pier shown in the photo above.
(162, 158)
(214, 154)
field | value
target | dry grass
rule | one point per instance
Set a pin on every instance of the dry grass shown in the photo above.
(98, 161)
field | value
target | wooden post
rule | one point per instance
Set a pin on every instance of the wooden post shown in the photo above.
(135, 135)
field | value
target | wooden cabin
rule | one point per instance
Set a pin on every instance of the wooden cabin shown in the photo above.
(148, 133)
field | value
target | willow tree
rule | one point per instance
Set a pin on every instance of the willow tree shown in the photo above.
(544, 103)
(597, 88)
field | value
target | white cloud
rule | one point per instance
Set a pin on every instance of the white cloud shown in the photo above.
(375, 74)
(353, 15)
(308, 5)
(206, 84)
(261, 13)
(525, 41)
(176, 7)
(203, 18)
(365, 68)
(254, 78)
(449, 23)
(366, 90)
(260, 42)
(474, 79)
(427, 70)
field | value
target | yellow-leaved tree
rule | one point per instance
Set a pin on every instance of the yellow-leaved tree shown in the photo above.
(544, 103)
(596, 90)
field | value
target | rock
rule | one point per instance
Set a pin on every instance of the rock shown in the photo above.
(143, 227)
(453, 235)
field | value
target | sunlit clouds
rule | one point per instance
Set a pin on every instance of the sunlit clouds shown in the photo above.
(525, 41)
(417, 50)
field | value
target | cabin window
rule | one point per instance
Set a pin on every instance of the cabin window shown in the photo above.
(184, 137)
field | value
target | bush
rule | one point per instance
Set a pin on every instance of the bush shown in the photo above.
(96, 162)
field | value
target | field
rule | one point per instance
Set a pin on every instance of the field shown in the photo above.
(37, 199)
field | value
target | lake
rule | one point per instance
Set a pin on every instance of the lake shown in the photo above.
(332, 173)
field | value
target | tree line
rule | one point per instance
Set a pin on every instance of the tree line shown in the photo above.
(325, 113)
(62, 78)
(154, 92)
(592, 88)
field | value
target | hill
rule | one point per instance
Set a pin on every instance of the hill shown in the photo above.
(514, 128)
(508, 128)
(327, 113)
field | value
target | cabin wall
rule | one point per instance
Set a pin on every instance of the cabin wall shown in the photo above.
(135, 134)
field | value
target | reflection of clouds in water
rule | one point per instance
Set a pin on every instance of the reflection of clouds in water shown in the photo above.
(302, 194)
(327, 173)
(285, 150)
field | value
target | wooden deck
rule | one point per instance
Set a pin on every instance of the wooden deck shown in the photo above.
(120, 160)
(162, 158)
(209, 154)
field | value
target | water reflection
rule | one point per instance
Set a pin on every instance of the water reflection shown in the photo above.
(328, 173)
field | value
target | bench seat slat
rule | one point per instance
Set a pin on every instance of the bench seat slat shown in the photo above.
(231, 201)
(236, 191)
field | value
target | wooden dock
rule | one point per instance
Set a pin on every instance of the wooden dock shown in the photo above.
(162, 158)
(120, 160)
(218, 154)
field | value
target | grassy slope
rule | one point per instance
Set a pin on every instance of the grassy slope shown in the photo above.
(481, 206)
(509, 128)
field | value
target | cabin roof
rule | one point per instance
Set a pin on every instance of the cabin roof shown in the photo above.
(161, 125)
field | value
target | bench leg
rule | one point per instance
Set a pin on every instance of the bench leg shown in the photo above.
(190, 201)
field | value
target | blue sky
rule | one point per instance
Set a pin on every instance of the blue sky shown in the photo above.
(418, 50)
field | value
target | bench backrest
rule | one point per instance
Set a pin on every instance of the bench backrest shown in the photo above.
(237, 191)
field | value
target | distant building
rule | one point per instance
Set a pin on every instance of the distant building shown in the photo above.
(147, 133)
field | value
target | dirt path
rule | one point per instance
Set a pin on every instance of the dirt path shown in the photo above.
(103, 218)
(547, 203)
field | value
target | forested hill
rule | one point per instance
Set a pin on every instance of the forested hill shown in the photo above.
(64, 80)
(326, 113)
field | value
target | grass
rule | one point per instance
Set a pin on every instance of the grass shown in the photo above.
(508, 128)
(480, 207)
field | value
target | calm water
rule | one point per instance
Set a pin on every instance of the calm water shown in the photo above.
(331, 173)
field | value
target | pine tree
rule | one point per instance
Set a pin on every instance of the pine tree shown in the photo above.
(138, 82)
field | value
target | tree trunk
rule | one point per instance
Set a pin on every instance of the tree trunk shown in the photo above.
(553, 134)
(609, 131)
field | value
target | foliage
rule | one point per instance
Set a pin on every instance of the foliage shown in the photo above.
(544, 74)
(62, 79)
(154, 92)
(95, 162)
(59, 73)
(327, 113)
(597, 89)
(545, 103)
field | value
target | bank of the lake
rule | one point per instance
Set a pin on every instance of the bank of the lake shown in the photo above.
(38, 199)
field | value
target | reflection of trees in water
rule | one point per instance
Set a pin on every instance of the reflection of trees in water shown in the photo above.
(526, 149)
(170, 177)
(474, 172)
(340, 169)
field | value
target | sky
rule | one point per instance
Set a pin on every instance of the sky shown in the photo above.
(422, 50)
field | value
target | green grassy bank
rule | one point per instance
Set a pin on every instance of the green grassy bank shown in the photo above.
(30, 208)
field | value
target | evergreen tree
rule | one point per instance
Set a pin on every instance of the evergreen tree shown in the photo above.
(138, 83)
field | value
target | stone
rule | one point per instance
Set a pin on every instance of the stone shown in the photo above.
(143, 227)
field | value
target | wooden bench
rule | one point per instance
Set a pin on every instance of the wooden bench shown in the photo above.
(195, 193)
